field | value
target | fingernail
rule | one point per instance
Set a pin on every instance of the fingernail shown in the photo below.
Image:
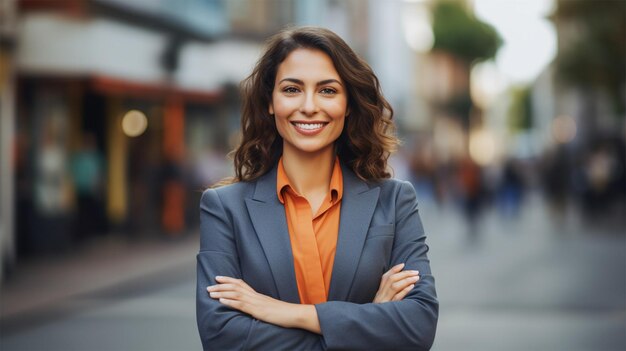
(209, 288)
(217, 277)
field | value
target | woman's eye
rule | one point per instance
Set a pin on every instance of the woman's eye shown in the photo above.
(290, 90)
(328, 91)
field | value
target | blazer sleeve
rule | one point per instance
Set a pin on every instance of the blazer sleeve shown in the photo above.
(220, 327)
(407, 324)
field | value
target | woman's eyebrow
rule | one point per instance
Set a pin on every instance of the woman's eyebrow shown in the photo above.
(328, 81)
(300, 82)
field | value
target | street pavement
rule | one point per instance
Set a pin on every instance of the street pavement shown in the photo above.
(529, 283)
(526, 282)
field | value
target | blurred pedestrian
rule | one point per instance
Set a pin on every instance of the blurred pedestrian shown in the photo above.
(471, 193)
(557, 180)
(312, 246)
(53, 191)
(601, 174)
(511, 189)
(87, 169)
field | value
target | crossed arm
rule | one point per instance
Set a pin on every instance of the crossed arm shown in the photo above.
(395, 284)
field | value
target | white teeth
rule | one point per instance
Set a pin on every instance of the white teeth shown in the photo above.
(309, 126)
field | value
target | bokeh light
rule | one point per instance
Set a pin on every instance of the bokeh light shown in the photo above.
(134, 123)
(482, 147)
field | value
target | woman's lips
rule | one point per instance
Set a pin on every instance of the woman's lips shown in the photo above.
(309, 128)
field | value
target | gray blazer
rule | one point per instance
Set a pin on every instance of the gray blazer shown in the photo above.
(244, 235)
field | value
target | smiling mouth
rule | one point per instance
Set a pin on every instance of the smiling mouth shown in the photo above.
(309, 126)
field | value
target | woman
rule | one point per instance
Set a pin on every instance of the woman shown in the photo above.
(313, 246)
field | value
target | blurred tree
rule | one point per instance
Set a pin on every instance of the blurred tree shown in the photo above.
(595, 56)
(459, 33)
(520, 110)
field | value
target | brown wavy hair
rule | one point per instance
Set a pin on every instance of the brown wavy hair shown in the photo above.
(368, 137)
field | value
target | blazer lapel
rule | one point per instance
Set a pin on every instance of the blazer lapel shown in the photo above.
(270, 225)
(357, 207)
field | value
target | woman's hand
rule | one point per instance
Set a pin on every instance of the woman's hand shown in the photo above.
(236, 294)
(396, 284)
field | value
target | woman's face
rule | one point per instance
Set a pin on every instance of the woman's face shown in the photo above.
(309, 102)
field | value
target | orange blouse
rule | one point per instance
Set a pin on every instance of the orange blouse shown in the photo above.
(313, 237)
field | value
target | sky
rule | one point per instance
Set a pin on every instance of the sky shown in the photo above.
(529, 42)
(529, 45)
(529, 37)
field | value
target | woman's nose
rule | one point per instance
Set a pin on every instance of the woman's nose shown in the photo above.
(309, 105)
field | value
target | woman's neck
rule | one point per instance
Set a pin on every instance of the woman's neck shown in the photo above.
(309, 173)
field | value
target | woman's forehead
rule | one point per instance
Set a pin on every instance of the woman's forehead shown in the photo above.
(306, 64)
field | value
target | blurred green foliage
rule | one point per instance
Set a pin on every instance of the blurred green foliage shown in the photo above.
(460, 33)
(596, 57)
(520, 110)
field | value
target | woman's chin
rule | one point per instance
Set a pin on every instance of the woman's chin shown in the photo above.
(309, 149)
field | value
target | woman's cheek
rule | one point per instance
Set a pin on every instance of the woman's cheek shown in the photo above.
(337, 109)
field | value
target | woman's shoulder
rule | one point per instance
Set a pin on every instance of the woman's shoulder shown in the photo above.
(226, 194)
(397, 191)
(397, 196)
(395, 185)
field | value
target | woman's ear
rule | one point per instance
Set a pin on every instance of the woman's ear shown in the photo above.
(271, 109)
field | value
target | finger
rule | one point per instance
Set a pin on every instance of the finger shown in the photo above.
(397, 268)
(222, 287)
(224, 279)
(402, 275)
(402, 294)
(230, 295)
(399, 296)
(401, 284)
(232, 303)
(394, 269)
(396, 282)
(386, 292)
(231, 291)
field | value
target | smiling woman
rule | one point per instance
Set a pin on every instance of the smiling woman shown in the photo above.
(309, 104)
(312, 246)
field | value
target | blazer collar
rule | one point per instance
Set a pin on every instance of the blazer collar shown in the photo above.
(270, 224)
(268, 217)
(266, 184)
(357, 208)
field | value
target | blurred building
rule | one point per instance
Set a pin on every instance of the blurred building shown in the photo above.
(578, 107)
(117, 114)
(8, 27)
(590, 113)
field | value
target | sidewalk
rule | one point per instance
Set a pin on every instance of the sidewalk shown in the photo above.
(40, 284)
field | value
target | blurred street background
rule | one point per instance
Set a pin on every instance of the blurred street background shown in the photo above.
(116, 114)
